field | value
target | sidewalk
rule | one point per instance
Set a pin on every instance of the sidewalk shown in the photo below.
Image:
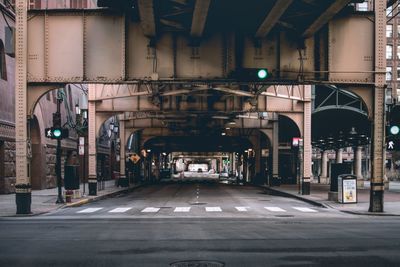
(45, 200)
(319, 196)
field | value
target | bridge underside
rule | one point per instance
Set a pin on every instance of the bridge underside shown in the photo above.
(182, 65)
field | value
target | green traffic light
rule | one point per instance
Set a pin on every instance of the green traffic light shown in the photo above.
(394, 129)
(262, 73)
(57, 133)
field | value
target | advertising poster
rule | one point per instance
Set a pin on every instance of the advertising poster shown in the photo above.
(350, 191)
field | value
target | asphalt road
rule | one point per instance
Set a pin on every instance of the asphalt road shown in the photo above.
(257, 237)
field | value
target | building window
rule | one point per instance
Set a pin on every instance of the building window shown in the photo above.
(362, 6)
(3, 65)
(389, 30)
(388, 73)
(389, 51)
(398, 73)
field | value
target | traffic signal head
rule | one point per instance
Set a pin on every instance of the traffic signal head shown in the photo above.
(251, 74)
(56, 133)
(394, 121)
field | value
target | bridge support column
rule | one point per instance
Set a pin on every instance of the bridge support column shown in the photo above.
(275, 154)
(123, 180)
(357, 166)
(92, 178)
(23, 182)
(339, 155)
(378, 125)
(324, 167)
(307, 150)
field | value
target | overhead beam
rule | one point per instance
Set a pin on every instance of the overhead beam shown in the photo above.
(146, 11)
(326, 16)
(199, 17)
(272, 18)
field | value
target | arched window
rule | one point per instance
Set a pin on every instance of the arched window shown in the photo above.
(3, 68)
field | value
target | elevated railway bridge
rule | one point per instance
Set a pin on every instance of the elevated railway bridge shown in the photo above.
(187, 68)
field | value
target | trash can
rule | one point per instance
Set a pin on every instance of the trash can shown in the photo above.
(71, 177)
(347, 188)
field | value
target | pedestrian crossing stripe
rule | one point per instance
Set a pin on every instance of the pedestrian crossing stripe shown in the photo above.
(119, 210)
(303, 209)
(182, 209)
(275, 209)
(213, 209)
(89, 210)
(241, 208)
(188, 209)
(151, 209)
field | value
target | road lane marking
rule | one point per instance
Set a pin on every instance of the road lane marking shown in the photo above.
(150, 209)
(304, 209)
(213, 209)
(89, 210)
(241, 208)
(119, 210)
(275, 209)
(182, 209)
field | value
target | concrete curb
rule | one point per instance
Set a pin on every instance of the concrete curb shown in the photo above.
(97, 198)
(285, 194)
(324, 205)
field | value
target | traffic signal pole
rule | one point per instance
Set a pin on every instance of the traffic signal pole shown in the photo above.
(58, 158)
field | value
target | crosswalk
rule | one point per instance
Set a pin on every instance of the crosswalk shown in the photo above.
(184, 209)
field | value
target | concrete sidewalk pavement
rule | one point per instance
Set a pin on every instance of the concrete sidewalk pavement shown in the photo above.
(319, 197)
(45, 200)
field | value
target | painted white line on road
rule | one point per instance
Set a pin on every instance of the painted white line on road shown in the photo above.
(241, 208)
(182, 209)
(89, 210)
(151, 209)
(213, 209)
(304, 209)
(119, 210)
(275, 209)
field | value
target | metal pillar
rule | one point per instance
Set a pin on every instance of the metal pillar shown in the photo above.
(378, 126)
(324, 166)
(307, 149)
(23, 196)
(357, 165)
(275, 154)
(339, 155)
(92, 178)
(123, 180)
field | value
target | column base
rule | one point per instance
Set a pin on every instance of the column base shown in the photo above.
(324, 180)
(305, 188)
(376, 201)
(360, 183)
(23, 200)
(333, 196)
(123, 181)
(92, 187)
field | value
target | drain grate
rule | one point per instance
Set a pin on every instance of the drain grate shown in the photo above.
(197, 264)
(284, 216)
(198, 203)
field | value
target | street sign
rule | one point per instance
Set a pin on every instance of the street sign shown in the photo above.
(81, 140)
(135, 158)
(81, 150)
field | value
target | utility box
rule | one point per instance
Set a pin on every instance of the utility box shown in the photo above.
(347, 188)
(71, 177)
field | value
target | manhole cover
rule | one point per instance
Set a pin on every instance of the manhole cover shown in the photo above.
(198, 203)
(197, 264)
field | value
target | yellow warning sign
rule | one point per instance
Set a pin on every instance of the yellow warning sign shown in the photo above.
(135, 158)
